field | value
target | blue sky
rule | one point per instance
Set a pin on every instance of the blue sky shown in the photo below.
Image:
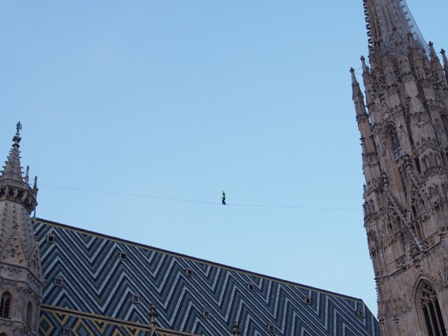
(137, 114)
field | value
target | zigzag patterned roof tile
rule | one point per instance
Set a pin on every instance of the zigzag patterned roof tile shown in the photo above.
(100, 275)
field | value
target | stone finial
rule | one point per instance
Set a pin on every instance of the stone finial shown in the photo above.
(445, 61)
(27, 174)
(18, 128)
(236, 329)
(354, 80)
(432, 51)
(152, 321)
(35, 188)
(152, 315)
(365, 68)
(12, 168)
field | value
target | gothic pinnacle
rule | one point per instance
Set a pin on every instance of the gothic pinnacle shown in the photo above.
(436, 66)
(432, 52)
(356, 89)
(354, 81)
(12, 168)
(35, 188)
(364, 65)
(12, 177)
(445, 61)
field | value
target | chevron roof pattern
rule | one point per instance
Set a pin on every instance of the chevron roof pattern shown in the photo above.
(82, 324)
(108, 279)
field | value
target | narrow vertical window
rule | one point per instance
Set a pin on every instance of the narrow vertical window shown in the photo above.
(5, 305)
(29, 315)
(396, 169)
(432, 313)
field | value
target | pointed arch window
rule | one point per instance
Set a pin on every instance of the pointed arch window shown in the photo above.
(396, 153)
(5, 305)
(432, 313)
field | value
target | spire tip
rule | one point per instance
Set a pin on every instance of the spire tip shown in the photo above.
(18, 128)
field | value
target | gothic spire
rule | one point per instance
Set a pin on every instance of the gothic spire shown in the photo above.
(12, 168)
(389, 21)
(404, 135)
(12, 177)
(20, 266)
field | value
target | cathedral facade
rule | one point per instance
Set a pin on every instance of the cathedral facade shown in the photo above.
(403, 121)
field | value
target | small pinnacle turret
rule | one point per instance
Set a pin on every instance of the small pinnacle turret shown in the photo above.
(13, 186)
(12, 169)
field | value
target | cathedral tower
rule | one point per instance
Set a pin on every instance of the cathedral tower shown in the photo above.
(20, 268)
(403, 121)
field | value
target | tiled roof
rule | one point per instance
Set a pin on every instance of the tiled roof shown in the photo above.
(117, 279)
